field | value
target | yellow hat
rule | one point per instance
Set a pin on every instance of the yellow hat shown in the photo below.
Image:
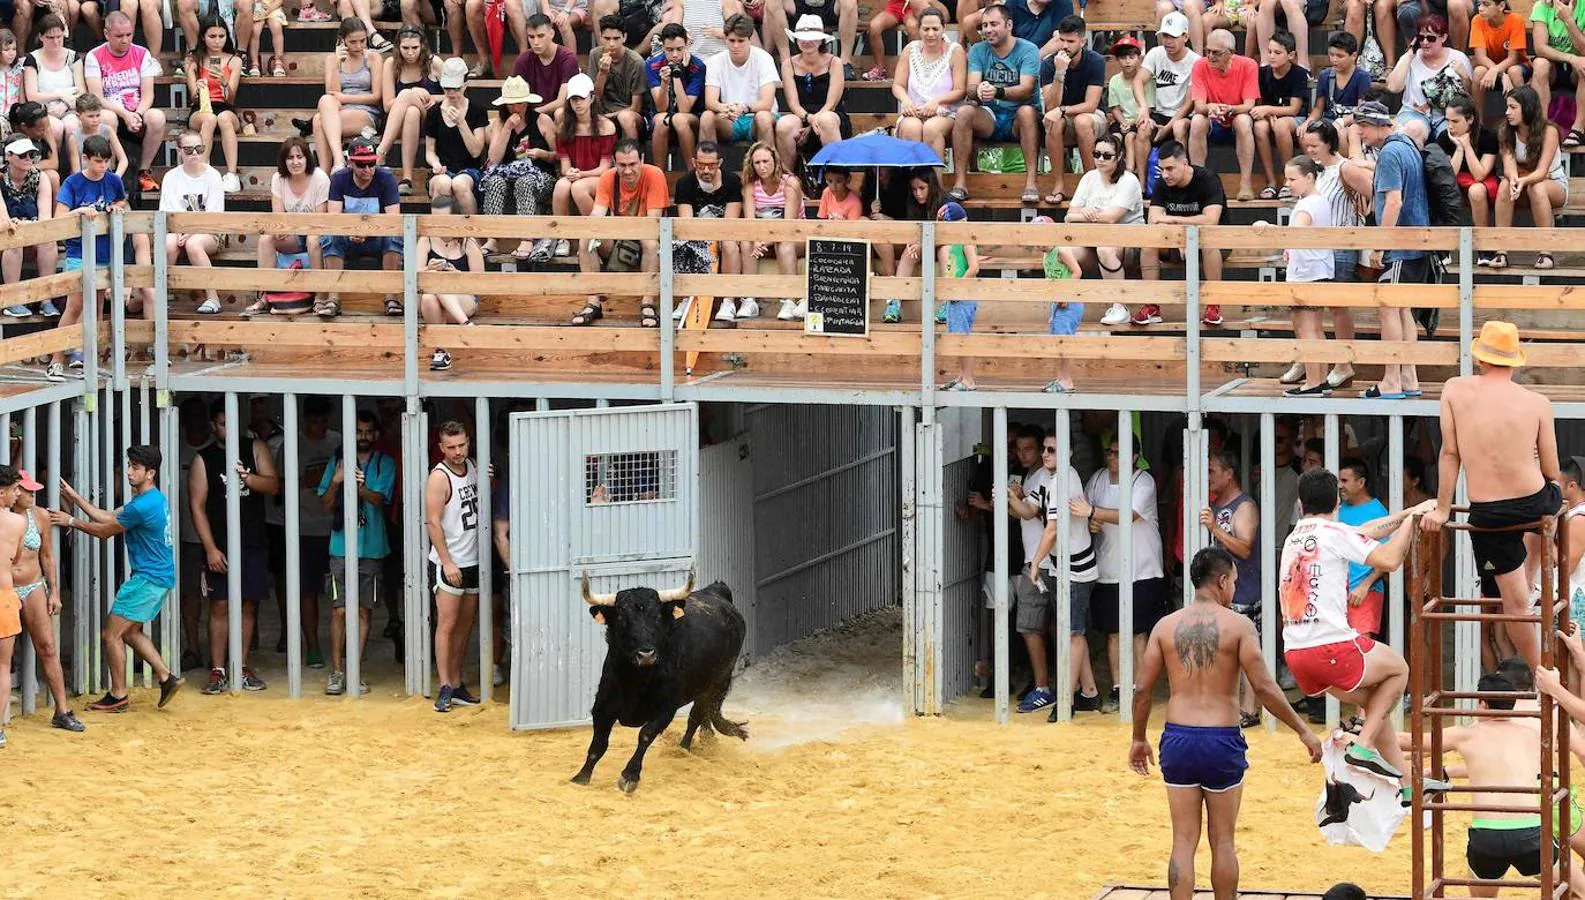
(1498, 345)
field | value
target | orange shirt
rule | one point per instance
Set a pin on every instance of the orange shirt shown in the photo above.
(648, 195)
(1498, 40)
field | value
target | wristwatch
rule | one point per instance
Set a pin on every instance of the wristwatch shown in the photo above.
(1000, 92)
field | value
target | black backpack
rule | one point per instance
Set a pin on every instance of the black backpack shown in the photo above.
(1442, 194)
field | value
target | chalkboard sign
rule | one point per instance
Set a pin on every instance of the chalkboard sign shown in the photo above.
(839, 287)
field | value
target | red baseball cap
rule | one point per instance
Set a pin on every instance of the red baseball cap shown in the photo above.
(1127, 40)
(28, 484)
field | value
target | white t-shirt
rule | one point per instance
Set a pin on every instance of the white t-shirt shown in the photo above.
(1101, 491)
(181, 192)
(1081, 549)
(1094, 191)
(1172, 78)
(1312, 265)
(312, 199)
(1037, 491)
(741, 84)
(1419, 72)
(1314, 586)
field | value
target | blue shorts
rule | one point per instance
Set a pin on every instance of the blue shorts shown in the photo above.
(1003, 119)
(960, 316)
(285, 260)
(743, 128)
(1222, 134)
(371, 248)
(1066, 319)
(474, 174)
(139, 599)
(1211, 759)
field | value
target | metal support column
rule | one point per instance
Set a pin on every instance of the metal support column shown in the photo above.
(999, 489)
(351, 505)
(1124, 680)
(927, 319)
(170, 483)
(409, 310)
(486, 529)
(907, 486)
(668, 364)
(162, 342)
(291, 507)
(233, 483)
(107, 500)
(1060, 492)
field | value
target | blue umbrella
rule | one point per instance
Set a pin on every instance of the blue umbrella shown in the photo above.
(877, 150)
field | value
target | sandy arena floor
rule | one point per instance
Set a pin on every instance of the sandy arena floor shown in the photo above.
(256, 796)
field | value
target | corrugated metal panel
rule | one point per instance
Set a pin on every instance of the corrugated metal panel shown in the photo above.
(825, 517)
(726, 516)
(962, 561)
(609, 491)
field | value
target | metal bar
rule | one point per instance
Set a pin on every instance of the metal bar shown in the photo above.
(93, 549)
(1466, 299)
(233, 483)
(1061, 491)
(118, 305)
(1472, 712)
(84, 658)
(351, 505)
(668, 357)
(913, 698)
(170, 483)
(999, 482)
(1125, 565)
(1191, 277)
(1395, 581)
(1268, 548)
(162, 341)
(486, 529)
(412, 550)
(291, 507)
(409, 316)
(426, 647)
(1466, 634)
(1188, 517)
(927, 320)
(107, 500)
(1334, 442)
(1481, 617)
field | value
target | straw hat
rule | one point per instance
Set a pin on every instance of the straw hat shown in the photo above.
(515, 90)
(809, 28)
(1498, 345)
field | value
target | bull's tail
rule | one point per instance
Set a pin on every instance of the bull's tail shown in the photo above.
(723, 725)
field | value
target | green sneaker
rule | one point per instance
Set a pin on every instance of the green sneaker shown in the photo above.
(893, 313)
(1363, 757)
(316, 659)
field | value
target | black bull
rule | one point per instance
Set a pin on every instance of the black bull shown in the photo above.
(664, 650)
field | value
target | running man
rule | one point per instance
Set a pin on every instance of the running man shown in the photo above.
(33, 575)
(451, 504)
(1205, 647)
(1324, 652)
(152, 572)
(1508, 450)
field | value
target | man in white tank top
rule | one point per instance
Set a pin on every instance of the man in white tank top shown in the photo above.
(451, 511)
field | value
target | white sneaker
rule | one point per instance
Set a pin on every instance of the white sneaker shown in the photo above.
(728, 310)
(679, 311)
(497, 675)
(48, 308)
(563, 247)
(748, 308)
(1294, 375)
(788, 311)
(800, 309)
(1116, 314)
(230, 183)
(209, 307)
(18, 311)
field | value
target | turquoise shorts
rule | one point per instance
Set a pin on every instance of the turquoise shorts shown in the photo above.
(139, 599)
(743, 128)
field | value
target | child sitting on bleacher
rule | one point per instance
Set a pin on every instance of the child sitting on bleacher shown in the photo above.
(1123, 106)
(10, 74)
(1341, 86)
(1284, 102)
(959, 261)
(837, 201)
(87, 193)
(90, 121)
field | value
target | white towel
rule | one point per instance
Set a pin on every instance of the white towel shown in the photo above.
(1356, 807)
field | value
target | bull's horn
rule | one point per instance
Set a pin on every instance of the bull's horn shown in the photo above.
(680, 593)
(594, 599)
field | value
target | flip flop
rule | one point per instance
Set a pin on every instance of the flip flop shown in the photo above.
(1029, 197)
(1055, 198)
(1574, 140)
(1268, 193)
(958, 195)
(1374, 392)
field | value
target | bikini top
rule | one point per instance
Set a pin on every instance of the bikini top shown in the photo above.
(31, 539)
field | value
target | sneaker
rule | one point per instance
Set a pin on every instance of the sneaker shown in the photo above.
(1116, 314)
(316, 660)
(1317, 710)
(209, 307)
(941, 315)
(1037, 699)
(679, 311)
(440, 362)
(19, 311)
(748, 308)
(74, 360)
(230, 183)
(1090, 703)
(147, 182)
(461, 697)
(497, 675)
(1212, 316)
(788, 311)
(109, 703)
(542, 251)
(55, 372)
(2, 739)
(1362, 757)
(168, 688)
(893, 313)
(369, 133)
(48, 308)
(1294, 375)
(215, 685)
(443, 699)
(251, 681)
(800, 309)
(727, 312)
(563, 247)
(1113, 701)
(1149, 314)
(337, 684)
(67, 721)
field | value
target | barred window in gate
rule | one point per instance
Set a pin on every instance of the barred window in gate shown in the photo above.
(630, 477)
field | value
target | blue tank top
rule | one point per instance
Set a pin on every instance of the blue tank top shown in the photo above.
(1246, 596)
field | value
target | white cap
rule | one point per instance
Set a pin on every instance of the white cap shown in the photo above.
(21, 146)
(453, 73)
(1175, 24)
(580, 85)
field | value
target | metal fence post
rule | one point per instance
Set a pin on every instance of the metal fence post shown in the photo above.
(1268, 547)
(351, 560)
(233, 549)
(999, 482)
(91, 306)
(1395, 581)
(29, 683)
(1124, 679)
(485, 536)
(291, 508)
(1060, 492)
(118, 306)
(668, 339)
(927, 316)
(1466, 298)
(410, 348)
(1334, 440)
(162, 342)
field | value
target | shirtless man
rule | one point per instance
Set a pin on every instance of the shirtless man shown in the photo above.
(1508, 449)
(33, 574)
(1205, 647)
(1324, 652)
(11, 526)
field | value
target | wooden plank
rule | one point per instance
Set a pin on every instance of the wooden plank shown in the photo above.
(1235, 237)
(743, 340)
(570, 227)
(539, 284)
(1164, 293)
(1009, 234)
(765, 230)
(284, 223)
(551, 338)
(1322, 295)
(238, 278)
(1526, 296)
(47, 231)
(139, 331)
(1281, 350)
(328, 335)
(32, 290)
(39, 343)
(1555, 240)
(1124, 347)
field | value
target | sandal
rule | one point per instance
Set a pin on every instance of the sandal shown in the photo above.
(958, 195)
(591, 313)
(393, 306)
(379, 43)
(1029, 197)
(648, 316)
(1268, 193)
(1285, 193)
(1248, 720)
(875, 74)
(329, 308)
(1575, 139)
(1056, 197)
(277, 67)
(1543, 260)
(524, 251)
(250, 122)
(1499, 260)
(259, 307)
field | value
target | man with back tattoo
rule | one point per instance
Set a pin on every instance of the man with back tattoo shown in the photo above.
(1205, 647)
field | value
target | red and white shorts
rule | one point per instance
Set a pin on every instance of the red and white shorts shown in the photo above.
(1340, 666)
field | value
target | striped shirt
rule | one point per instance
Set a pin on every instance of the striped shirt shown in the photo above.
(1081, 544)
(1329, 185)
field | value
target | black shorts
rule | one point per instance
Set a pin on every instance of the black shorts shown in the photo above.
(470, 580)
(126, 136)
(255, 576)
(1150, 606)
(1500, 552)
(825, 9)
(1492, 851)
(215, 106)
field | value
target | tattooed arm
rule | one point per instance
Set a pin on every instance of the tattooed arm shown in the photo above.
(1271, 696)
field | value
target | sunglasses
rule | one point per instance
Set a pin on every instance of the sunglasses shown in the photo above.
(1048, 449)
(363, 165)
(192, 149)
(1102, 154)
(1431, 37)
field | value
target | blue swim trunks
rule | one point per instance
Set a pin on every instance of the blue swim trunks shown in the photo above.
(1066, 319)
(1211, 759)
(1003, 119)
(960, 316)
(139, 599)
(743, 128)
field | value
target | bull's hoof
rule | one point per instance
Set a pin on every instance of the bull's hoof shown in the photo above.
(627, 785)
(581, 778)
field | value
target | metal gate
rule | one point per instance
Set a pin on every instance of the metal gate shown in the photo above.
(613, 492)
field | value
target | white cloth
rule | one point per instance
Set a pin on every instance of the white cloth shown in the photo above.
(701, 17)
(459, 518)
(181, 192)
(1312, 265)
(1356, 808)
(1081, 550)
(1314, 585)
(1146, 534)
(1037, 491)
(1095, 192)
(927, 79)
(741, 84)
(1172, 78)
